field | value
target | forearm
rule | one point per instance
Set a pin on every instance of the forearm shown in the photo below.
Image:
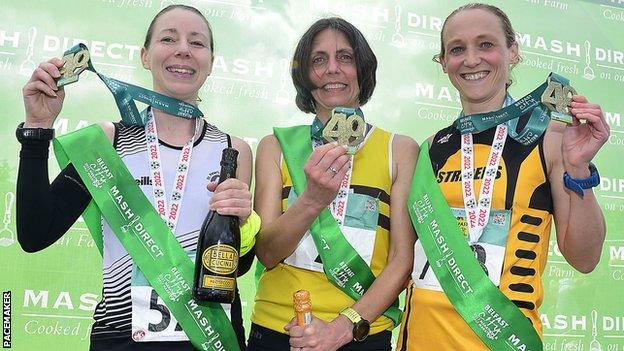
(385, 288)
(44, 212)
(279, 238)
(585, 232)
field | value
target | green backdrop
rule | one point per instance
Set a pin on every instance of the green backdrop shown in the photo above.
(54, 292)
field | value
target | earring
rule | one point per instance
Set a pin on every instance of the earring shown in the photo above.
(198, 99)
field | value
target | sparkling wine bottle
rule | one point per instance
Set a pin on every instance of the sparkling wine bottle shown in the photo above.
(218, 247)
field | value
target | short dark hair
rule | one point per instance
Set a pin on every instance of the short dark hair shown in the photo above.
(150, 29)
(365, 62)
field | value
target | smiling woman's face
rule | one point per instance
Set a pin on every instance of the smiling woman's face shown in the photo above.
(477, 59)
(333, 72)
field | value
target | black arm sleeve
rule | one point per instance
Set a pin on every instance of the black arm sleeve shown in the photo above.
(45, 212)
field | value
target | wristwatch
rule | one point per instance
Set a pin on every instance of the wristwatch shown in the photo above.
(361, 327)
(578, 185)
(42, 134)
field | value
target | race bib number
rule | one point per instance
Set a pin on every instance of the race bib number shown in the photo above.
(151, 318)
(489, 250)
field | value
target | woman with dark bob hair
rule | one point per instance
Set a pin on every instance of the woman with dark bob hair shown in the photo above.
(305, 247)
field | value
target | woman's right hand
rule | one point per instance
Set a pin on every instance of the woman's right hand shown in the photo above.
(43, 100)
(325, 170)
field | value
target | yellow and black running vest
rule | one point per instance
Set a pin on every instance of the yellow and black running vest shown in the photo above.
(366, 227)
(512, 250)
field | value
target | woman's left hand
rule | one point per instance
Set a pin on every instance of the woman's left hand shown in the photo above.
(581, 141)
(320, 335)
(232, 197)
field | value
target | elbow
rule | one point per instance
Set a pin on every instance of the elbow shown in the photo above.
(587, 268)
(267, 260)
(28, 246)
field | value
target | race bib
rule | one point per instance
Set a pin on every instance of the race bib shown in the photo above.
(151, 319)
(360, 230)
(489, 250)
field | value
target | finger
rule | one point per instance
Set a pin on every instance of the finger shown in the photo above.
(241, 213)
(579, 98)
(231, 194)
(212, 186)
(232, 183)
(292, 323)
(37, 87)
(319, 152)
(331, 156)
(237, 203)
(339, 177)
(40, 74)
(595, 122)
(295, 332)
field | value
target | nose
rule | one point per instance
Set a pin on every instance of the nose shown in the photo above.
(182, 49)
(472, 58)
(333, 66)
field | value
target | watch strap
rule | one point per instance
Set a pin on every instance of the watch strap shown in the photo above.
(41, 134)
(578, 185)
(352, 314)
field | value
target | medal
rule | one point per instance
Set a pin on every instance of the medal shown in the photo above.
(74, 64)
(557, 99)
(346, 127)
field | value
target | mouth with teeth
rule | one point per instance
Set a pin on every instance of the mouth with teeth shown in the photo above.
(181, 71)
(334, 87)
(475, 76)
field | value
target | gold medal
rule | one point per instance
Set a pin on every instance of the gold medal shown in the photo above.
(74, 64)
(557, 99)
(346, 127)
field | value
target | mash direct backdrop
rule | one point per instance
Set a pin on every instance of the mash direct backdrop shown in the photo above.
(53, 293)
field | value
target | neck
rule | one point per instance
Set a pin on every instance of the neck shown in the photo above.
(490, 104)
(174, 130)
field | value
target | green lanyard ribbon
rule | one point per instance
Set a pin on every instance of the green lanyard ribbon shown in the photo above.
(145, 236)
(534, 104)
(489, 313)
(125, 94)
(342, 264)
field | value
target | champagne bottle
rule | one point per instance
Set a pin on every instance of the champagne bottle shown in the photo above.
(218, 247)
(303, 307)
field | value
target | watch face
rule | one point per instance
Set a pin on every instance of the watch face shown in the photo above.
(361, 330)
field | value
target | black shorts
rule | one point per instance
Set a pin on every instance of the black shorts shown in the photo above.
(264, 339)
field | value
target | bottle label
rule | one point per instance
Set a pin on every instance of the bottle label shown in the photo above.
(220, 259)
(221, 283)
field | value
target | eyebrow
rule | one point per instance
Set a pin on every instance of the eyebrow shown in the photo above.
(175, 31)
(479, 37)
(348, 50)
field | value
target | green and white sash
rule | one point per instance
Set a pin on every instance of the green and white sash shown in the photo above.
(146, 237)
(342, 264)
(489, 313)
